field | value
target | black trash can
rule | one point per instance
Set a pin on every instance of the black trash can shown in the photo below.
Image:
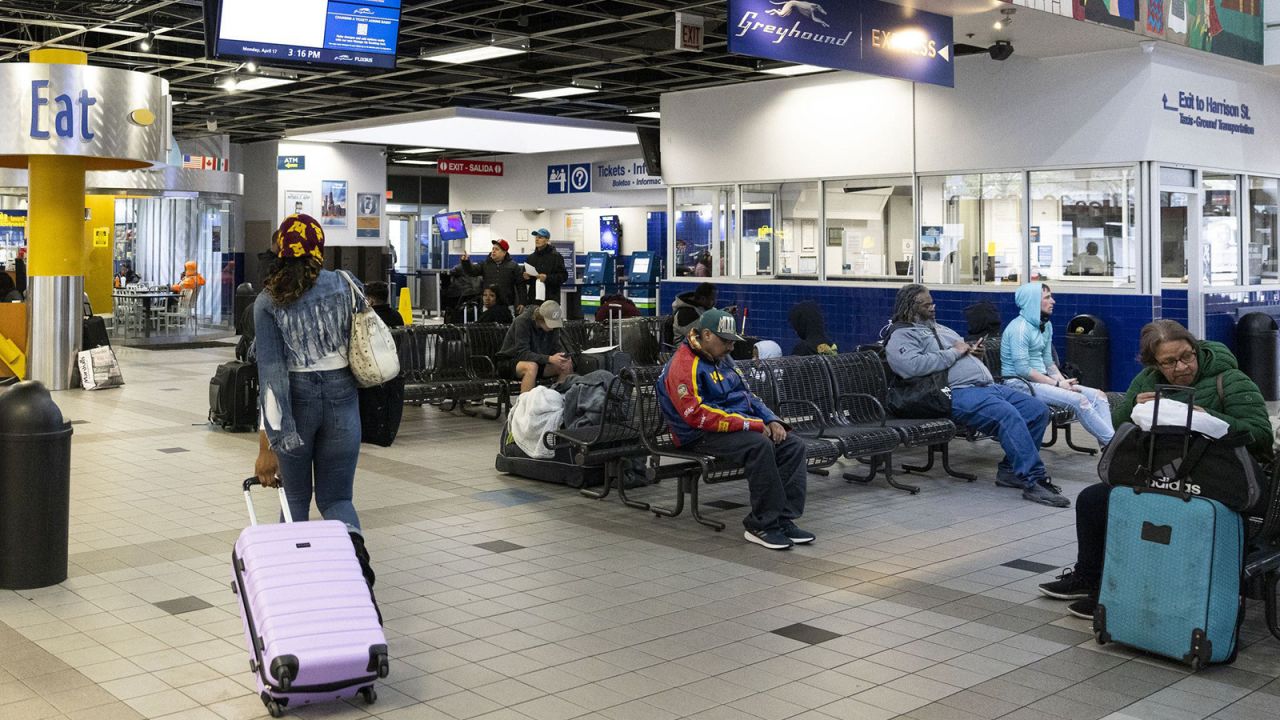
(244, 297)
(1089, 349)
(35, 488)
(1257, 341)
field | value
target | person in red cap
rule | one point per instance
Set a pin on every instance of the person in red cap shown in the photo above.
(501, 271)
(310, 412)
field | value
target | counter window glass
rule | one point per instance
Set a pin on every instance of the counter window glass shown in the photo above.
(1175, 219)
(971, 228)
(870, 230)
(1263, 247)
(1083, 226)
(782, 222)
(1220, 228)
(704, 220)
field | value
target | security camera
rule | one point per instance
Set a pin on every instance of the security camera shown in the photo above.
(1001, 50)
(211, 124)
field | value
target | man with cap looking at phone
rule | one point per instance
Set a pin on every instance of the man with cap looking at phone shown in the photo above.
(533, 347)
(550, 266)
(501, 271)
(710, 410)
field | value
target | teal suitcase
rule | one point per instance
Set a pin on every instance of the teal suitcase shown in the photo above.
(1171, 576)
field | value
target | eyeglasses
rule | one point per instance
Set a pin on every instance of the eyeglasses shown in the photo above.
(1186, 359)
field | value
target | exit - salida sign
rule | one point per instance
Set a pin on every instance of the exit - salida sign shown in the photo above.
(468, 167)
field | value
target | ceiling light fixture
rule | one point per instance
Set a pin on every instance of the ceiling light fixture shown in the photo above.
(398, 161)
(498, 46)
(262, 83)
(462, 128)
(147, 40)
(251, 66)
(792, 70)
(418, 151)
(1006, 18)
(230, 83)
(655, 114)
(554, 93)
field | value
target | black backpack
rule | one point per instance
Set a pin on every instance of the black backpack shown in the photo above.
(983, 319)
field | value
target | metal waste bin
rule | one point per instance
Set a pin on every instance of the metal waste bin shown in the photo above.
(1257, 341)
(1089, 348)
(35, 488)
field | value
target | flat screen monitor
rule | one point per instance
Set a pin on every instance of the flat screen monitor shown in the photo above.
(610, 233)
(451, 226)
(640, 266)
(595, 268)
(350, 34)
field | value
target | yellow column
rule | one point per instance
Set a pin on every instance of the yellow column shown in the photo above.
(55, 263)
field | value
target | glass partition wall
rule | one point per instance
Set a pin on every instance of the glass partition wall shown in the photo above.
(704, 221)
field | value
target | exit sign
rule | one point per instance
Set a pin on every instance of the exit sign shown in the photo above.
(689, 32)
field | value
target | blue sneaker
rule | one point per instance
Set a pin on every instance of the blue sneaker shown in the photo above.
(772, 539)
(797, 536)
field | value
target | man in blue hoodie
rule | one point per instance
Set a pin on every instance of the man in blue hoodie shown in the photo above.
(1026, 352)
(918, 346)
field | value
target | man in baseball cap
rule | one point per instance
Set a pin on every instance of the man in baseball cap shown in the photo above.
(533, 347)
(550, 266)
(500, 271)
(711, 411)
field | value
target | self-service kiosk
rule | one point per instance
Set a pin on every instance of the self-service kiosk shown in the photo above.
(642, 281)
(598, 280)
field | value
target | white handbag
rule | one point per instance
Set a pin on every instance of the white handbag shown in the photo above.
(372, 352)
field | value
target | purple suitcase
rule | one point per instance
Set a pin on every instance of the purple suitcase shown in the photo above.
(309, 620)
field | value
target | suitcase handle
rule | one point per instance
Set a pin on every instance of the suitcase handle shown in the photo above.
(249, 483)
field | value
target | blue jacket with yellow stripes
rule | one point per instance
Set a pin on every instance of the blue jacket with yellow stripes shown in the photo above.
(697, 395)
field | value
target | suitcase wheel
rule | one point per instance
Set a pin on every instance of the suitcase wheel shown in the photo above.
(274, 708)
(369, 694)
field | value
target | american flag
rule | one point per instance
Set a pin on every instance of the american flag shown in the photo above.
(191, 162)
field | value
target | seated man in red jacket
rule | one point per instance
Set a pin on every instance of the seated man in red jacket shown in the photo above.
(710, 410)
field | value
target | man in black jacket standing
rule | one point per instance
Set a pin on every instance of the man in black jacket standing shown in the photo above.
(550, 266)
(500, 270)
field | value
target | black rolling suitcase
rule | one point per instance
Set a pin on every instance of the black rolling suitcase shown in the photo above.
(381, 408)
(94, 333)
(233, 396)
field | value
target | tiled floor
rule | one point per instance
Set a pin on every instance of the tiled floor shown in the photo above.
(507, 599)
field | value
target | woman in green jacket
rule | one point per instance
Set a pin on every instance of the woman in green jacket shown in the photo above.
(1172, 356)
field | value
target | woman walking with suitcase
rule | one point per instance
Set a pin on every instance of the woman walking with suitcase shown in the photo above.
(310, 411)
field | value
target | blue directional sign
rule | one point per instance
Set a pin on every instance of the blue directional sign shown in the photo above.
(860, 35)
(580, 178)
(557, 179)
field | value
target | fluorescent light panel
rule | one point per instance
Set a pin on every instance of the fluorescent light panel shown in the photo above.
(500, 46)
(260, 83)
(647, 114)
(414, 162)
(418, 151)
(471, 129)
(555, 93)
(790, 70)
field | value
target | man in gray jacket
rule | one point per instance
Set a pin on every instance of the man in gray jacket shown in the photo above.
(918, 346)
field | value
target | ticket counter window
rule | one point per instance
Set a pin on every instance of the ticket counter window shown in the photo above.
(971, 229)
(781, 224)
(704, 220)
(1220, 228)
(1082, 229)
(870, 228)
(1264, 248)
(1175, 219)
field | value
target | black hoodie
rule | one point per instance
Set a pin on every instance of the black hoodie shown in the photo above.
(806, 320)
(549, 261)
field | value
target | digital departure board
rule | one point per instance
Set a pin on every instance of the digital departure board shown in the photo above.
(351, 33)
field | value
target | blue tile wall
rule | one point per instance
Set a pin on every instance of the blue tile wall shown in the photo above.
(855, 315)
(1220, 312)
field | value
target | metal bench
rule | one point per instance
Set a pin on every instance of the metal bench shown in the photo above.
(1061, 417)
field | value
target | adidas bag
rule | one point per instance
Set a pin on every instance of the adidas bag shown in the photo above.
(1183, 461)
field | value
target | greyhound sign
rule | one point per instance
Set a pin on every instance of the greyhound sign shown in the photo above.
(862, 35)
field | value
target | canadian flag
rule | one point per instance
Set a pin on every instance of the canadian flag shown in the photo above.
(210, 163)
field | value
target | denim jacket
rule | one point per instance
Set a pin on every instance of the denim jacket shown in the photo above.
(316, 325)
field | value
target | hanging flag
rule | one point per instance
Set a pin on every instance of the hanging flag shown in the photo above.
(192, 162)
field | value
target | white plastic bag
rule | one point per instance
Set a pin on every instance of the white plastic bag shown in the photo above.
(1174, 412)
(99, 368)
(538, 412)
